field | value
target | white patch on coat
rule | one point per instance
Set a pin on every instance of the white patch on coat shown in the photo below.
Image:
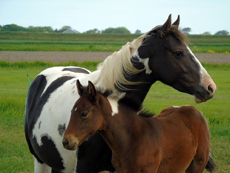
(176, 106)
(38, 167)
(114, 103)
(144, 61)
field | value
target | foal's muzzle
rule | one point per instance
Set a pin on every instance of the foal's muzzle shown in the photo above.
(70, 143)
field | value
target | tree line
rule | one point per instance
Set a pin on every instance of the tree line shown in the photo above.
(110, 30)
(187, 30)
(14, 27)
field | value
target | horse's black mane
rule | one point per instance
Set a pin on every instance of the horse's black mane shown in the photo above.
(173, 30)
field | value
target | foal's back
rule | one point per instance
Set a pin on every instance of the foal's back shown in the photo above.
(184, 139)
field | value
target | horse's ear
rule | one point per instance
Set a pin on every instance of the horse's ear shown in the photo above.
(177, 22)
(79, 88)
(92, 91)
(167, 25)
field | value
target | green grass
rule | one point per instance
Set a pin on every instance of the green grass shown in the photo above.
(59, 46)
(15, 155)
(25, 41)
(81, 38)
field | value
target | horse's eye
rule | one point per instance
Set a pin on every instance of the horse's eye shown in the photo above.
(179, 54)
(84, 114)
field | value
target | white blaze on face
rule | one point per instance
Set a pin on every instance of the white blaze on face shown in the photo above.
(206, 80)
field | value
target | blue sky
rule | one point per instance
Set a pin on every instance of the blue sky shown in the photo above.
(83, 15)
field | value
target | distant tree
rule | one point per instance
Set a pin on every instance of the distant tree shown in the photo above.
(64, 28)
(39, 29)
(206, 33)
(35, 29)
(93, 31)
(186, 30)
(48, 29)
(222, 32)
(137, 31)
(119, 30)
(12, 27)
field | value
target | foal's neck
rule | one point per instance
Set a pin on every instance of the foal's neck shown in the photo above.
(121, 129)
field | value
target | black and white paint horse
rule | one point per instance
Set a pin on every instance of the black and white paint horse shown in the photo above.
(126, 76)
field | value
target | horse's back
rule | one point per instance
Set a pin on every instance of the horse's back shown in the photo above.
(43, 114)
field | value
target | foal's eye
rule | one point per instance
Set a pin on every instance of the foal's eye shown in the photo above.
(179, 54)
(84, 114)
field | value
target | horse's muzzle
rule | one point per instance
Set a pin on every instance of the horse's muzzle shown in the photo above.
(204, 94)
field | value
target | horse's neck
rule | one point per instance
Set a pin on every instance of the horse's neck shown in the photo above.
(136, 94)
(133, 96)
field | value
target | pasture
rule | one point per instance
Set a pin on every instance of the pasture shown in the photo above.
(25, 41)
(15, 155)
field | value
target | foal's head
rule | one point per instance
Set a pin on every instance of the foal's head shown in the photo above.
(167, 58)
(86, 116)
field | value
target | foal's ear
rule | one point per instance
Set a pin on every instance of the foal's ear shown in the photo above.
(79, 88)
(92, 91)
(167, 25)
(177, 22)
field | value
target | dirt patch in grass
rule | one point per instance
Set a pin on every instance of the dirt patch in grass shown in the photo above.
(56, 57)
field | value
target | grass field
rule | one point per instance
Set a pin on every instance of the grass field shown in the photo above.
(23, 41)
(15, 155)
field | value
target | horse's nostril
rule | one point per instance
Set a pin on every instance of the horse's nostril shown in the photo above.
(65, 142)
(210, 89)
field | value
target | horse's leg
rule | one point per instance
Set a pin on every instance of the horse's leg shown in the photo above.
(41, 167)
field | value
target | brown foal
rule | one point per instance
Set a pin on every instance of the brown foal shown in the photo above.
(175, 141)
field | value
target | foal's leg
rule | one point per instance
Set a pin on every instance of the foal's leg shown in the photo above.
(200, 160)
(195, 167)
(41, 167)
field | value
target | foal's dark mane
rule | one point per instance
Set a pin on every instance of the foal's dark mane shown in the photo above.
(142, 112)
(146, 113)
(105, 93)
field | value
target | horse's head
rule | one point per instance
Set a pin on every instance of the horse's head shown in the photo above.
(167, 58)
(86, 117)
